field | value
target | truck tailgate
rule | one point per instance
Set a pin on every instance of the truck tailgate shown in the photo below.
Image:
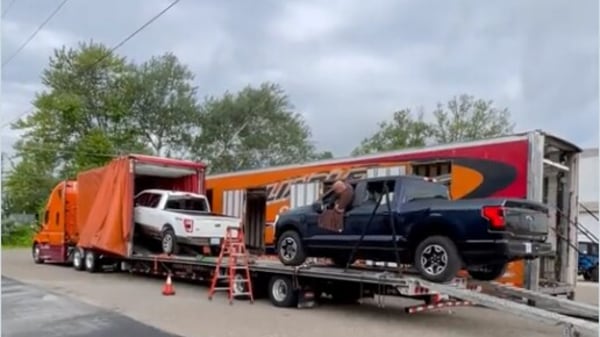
(526, 219)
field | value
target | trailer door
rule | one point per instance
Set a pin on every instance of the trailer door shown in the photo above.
(386, 171)
(234, 203)
(303, 194)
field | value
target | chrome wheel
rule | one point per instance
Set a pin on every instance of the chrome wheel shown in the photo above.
(279, 290)
(37, 254)
(89, 261)
(238, 284)
(167, 243)
(288, 249)
(77, 259)
(434, 259)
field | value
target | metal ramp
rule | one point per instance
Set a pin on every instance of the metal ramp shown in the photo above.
(551, 303)
(572, 327)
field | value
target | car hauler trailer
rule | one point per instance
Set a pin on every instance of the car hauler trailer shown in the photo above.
(101, 203)
(533, 165)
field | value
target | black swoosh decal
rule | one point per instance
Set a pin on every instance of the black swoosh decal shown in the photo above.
(496, 175)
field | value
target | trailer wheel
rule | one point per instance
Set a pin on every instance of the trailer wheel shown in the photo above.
(488, 272)
(437, 259)
(290, 248)
(78, 259)
(91, 261)
(36, 254)
(281, 292)
(168, 241)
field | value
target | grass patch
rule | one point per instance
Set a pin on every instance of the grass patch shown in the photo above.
(18, 237)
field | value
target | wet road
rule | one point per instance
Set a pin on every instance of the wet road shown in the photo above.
(29, 311)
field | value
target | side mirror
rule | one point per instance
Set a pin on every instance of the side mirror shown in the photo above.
(317, 207)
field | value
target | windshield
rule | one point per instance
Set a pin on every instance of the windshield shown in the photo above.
(188, 203)
(416, 189)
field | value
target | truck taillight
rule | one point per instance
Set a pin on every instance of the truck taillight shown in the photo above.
(495, 216)
(188, 224)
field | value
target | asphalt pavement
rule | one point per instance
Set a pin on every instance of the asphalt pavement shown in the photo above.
(29, 311)
(94, 305)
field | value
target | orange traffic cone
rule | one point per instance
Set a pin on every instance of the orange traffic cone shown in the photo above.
(168, 289)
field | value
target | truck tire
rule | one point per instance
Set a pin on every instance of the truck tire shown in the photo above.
(36, 254)
(90, 261)
(281, 291)
(488, 272)
(78, 263)
(290, 249)
(168, 241)
(594, 273)
(437, 259)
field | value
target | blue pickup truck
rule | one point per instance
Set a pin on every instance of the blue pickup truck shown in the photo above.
(414, 217)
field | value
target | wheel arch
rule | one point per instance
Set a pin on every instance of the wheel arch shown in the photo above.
(430, 227)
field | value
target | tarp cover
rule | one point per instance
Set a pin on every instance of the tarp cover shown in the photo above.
(88, 184)
(109, 208)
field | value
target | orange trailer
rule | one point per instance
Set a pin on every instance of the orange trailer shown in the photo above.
(526, 165)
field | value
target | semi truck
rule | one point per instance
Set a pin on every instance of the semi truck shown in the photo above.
(92, 217)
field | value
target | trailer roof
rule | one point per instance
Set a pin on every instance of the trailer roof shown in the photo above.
(166, 161)
(415, 150)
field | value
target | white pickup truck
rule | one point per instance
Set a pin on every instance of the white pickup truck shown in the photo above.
(180, 218)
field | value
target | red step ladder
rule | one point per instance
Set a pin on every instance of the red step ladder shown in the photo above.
(234, 254)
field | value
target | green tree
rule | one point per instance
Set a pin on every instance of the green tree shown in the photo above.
(82, 117)
(94, 106)
(467, 118)
(165, 104)
(403, 131)
(253, 128)
(463, 118)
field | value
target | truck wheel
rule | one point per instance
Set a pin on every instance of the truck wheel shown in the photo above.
(36, 254)
(281, 292)
(594, 273)
(290, 249)
(168, 241)
(437, 259)
(78, 259)
(90, 261)
(488, 272)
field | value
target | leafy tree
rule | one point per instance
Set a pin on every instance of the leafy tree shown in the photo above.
(83, 111)
(466, 118)
(94, 106)
(165, 104)
(253, 128)
(463, 118)
(402, 132)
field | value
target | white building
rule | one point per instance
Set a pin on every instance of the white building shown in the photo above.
(588, 191)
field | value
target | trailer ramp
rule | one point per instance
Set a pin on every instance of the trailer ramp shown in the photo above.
(552, 303)
(572, 327)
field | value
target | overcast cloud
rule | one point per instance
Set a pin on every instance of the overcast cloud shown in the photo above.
(350, 62)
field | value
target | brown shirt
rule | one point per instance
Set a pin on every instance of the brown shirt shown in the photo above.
(333, 219)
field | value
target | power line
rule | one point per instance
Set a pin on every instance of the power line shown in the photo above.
(8, 8)
(35, 33)
(117, 46)
(130, 36)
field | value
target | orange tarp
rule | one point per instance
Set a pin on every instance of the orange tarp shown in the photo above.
(107, 200)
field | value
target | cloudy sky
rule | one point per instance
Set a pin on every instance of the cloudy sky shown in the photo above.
(346, 61)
